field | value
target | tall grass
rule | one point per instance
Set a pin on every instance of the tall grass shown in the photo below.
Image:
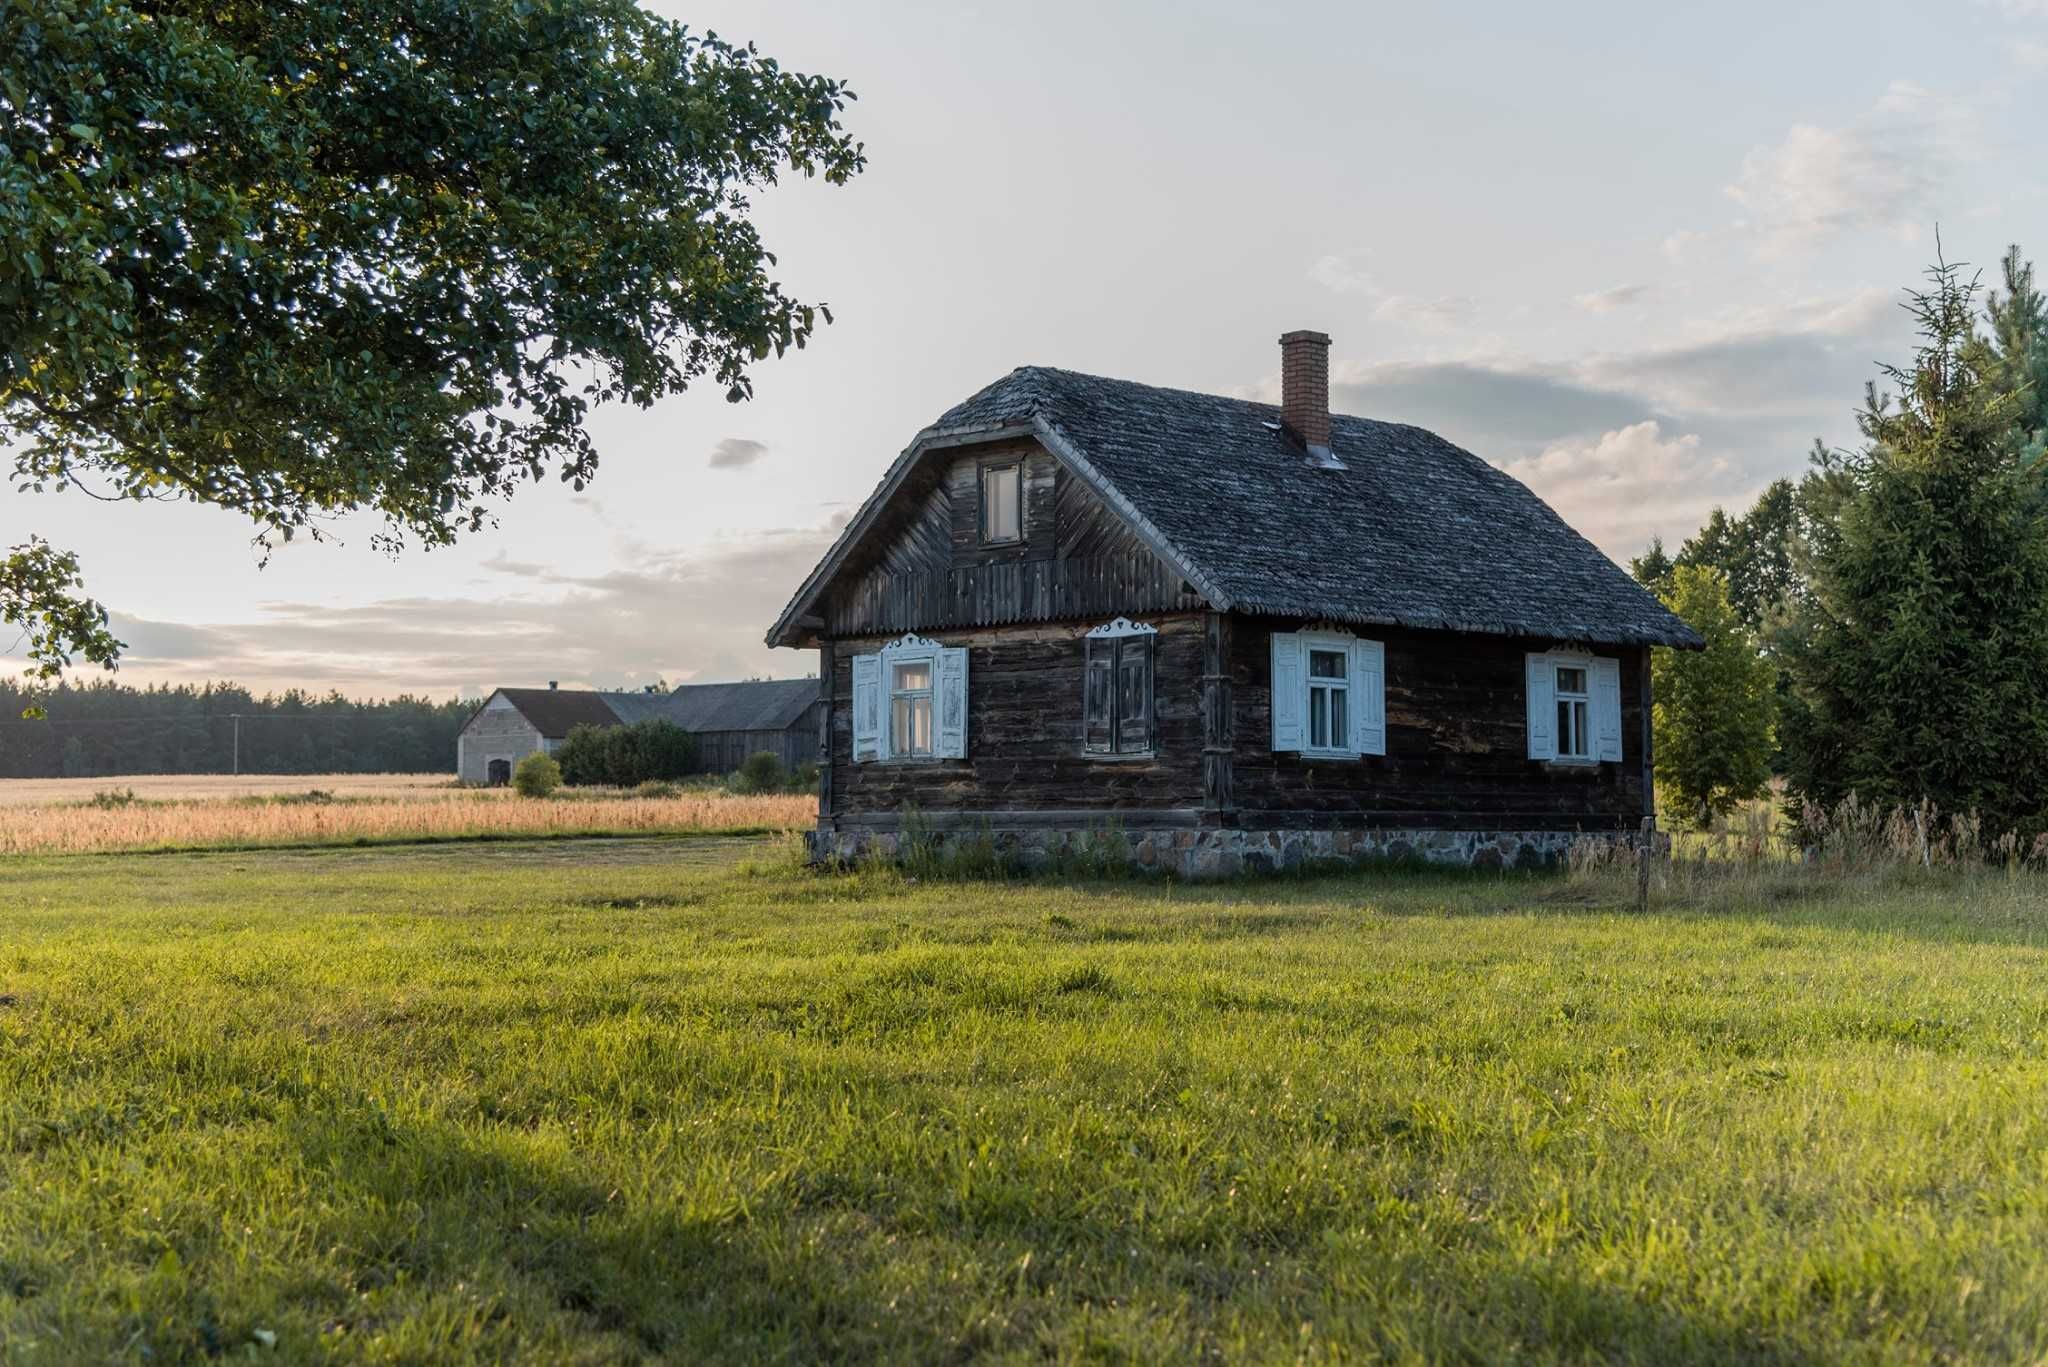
(120, 822)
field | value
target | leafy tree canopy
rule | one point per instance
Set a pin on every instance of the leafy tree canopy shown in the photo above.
(380, 255)
(1713, 713)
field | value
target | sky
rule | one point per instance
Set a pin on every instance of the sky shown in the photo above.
(1639, 256)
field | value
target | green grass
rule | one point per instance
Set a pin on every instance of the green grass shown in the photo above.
(603, 1101)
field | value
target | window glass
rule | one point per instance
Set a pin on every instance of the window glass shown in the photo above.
(1001, 508)
(1573, 711)
(1326, 664)
(1327, 700)
(910, 708)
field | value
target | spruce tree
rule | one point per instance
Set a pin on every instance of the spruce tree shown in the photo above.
(2019, 342)
(1919, 658)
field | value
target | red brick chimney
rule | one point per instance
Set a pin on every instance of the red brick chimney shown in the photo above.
(1305, 388)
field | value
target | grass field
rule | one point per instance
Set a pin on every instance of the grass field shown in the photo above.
(171, 812)
(605, 1100)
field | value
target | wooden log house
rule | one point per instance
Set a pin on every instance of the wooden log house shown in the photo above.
(1231, 634)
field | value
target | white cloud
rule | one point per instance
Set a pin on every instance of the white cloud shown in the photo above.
(734, 452)
(1609, 300)
(1346, 273)
(671, 615)
(2030, 53)
(1444, 311)
(1884, 171)
(1623, 487)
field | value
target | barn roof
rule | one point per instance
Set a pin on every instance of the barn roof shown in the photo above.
(554, 712)
(755, 705)
(1410, 531)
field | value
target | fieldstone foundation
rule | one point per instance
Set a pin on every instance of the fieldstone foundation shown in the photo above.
(1223, 853)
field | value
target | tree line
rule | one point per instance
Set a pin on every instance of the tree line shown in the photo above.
(103, 727)
(1879, 626)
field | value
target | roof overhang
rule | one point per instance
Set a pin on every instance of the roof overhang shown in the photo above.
(801, 622)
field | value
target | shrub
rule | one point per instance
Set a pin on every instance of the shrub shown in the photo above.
(537, 775)
(804, 778)
(761, 773)
(623, 756)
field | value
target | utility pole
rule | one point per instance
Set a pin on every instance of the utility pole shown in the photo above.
(237, 762)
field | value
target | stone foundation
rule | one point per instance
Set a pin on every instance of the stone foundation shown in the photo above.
(1221, 853)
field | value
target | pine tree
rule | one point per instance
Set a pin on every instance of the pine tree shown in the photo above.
(1714, 707)
(2019, 341)
(1918, 660)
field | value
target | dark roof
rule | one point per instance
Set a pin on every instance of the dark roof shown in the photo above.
(756, 705)
(759, 705)
(1413, 531)
(555, 711)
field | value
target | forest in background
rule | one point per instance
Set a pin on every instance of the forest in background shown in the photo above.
(103, 727)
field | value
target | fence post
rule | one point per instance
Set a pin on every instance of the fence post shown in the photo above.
(1643, 864)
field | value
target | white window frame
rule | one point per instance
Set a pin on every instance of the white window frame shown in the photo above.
(946, 668)
(1331, 689)
(928, 695)
(1573, 709)
(1602, 697)
(1364, 687)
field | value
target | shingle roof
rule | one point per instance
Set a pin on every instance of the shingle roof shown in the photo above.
(1413, 531)
(756, 705)
(555, 711)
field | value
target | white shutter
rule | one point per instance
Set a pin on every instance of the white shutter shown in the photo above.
(1369, 697)
(1290, 692)
(1607, 709)
(867, 707)
(1542, 708)
(951, 700)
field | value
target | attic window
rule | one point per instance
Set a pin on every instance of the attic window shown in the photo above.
(1001, 504)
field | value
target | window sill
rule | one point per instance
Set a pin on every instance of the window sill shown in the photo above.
(1128, 757)
(1331, 756)
(1575, 766)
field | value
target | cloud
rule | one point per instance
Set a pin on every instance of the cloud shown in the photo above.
(2030, 53)
(1624, 486)
(670, 615)
(1343, 274)
(1609, 300)
(734, 452)
(1883, 171)
(1346, 273)
(1444, 311)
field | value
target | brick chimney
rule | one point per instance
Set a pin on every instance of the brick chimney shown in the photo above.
(553, 685)
(1305, 388)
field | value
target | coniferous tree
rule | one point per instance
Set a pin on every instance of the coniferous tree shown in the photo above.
(2019, 342)
(1918, 658)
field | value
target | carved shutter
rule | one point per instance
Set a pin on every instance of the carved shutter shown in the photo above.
(1134, 694)
(1542, 708)
(951, 696)
(1290, 692)
(1607, 709)
(1098, 696)
(867, 708)
(1369, 697)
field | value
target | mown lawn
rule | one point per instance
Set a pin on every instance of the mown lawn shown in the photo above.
(598, 1102)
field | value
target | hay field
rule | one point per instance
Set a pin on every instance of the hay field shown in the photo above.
(373, 809)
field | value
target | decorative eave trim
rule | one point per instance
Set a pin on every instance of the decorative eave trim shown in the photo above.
(910, 640)
(788, 625)
(1122, 626)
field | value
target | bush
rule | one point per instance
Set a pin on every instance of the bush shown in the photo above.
(537, 775)
(624, 756)
(761, 773)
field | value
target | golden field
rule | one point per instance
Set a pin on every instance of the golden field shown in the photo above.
(355, 809)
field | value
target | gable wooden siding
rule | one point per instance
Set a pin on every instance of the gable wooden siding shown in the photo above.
(1077, 560)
